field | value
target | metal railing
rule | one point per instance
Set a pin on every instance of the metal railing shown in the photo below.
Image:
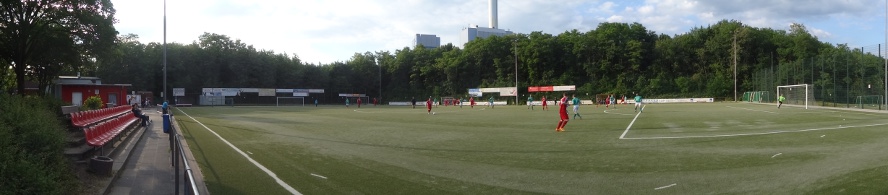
(178, 160)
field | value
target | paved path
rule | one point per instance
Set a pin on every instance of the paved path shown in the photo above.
(149, 168)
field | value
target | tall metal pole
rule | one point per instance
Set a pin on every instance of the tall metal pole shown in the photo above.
(164, 52)
(516, 71)
(886, 56)
(735, 66)
(379, 68)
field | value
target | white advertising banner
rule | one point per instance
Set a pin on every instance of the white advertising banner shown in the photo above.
(315, 90)
(178, 92)
(503, 91)
(475, 92)
(352, 95)
(677, 100)
(489, 90)
(508, 91)
(266, 92)
(230, 92)
(300, 94)
(249, 90)
(284, 90)
(564, 88)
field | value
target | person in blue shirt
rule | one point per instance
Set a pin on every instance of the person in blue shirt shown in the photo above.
(165, 107)
(576, 103)
(530, 102)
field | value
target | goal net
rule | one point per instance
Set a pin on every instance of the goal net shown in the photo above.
(601, 99)
(448, 101)
(229, 101)
(290, 101)
(802, 94)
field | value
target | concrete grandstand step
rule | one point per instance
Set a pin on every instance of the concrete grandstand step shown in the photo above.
(78, 153)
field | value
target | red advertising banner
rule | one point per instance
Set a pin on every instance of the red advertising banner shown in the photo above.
(551, 88)
(546, 88)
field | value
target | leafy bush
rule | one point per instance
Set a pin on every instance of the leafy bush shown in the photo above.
(31, 148)
(92, 103)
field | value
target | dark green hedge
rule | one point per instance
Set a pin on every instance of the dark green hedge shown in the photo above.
(31, 147)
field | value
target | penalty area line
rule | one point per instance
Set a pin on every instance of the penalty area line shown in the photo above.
(276, 179)
(762, 133)
(664, 187)
(631, 123)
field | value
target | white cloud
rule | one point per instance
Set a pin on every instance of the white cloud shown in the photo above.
(646, 10)
(327, 31)
(603, 8)
(615, 18)
(819, 33)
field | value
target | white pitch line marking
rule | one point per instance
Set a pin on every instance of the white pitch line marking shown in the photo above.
(664, 187)
(630, 124)
(320, 176)
(748, 134)
(276, 179)
(778, 154)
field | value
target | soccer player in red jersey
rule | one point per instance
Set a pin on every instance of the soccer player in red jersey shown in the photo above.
(563, 112)
(429, 104)
(359, 102)
(545, 105)
(472, 101)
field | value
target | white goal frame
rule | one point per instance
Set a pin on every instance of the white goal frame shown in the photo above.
(277, 101)
(807, 88)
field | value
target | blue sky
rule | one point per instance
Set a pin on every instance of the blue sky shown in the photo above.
(327, 31)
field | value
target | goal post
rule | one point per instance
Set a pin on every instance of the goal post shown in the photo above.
(802, 94)
(290, 101)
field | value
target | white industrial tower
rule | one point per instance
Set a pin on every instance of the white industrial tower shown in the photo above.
(493, 13)
(473, 32)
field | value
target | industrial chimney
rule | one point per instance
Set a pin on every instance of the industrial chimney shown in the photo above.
(493, 21)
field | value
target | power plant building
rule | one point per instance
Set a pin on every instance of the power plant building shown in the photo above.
(472, 33)
(427, 40)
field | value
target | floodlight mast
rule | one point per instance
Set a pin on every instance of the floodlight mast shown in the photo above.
(164, 53)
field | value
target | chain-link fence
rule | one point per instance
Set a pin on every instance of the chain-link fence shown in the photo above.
(845, 77)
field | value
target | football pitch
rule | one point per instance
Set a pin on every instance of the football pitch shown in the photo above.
(703, 148)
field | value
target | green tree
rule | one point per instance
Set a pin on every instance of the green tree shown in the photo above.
(30, 30)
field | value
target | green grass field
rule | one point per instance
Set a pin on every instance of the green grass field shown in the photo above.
(707, 148)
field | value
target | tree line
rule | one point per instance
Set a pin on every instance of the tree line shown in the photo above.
(618, 58)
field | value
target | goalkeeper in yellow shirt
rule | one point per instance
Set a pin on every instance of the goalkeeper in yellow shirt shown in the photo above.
(780, 101)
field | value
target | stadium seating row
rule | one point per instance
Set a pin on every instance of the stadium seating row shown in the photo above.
(103, 125)
(88, 118)
(105, 131)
